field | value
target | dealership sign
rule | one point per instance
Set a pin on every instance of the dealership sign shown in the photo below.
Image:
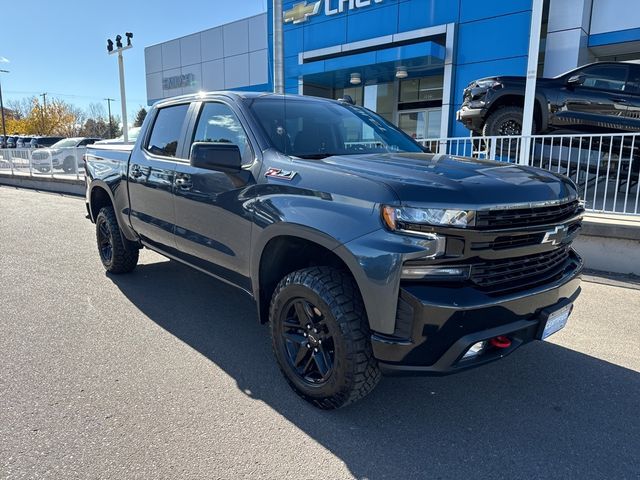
(303, 10)
(179, 81)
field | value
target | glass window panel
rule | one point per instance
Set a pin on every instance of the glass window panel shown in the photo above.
(409, 90)
(433, 125)
(218, 123)
(166, 130)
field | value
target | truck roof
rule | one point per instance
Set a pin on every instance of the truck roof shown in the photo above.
(235, 95)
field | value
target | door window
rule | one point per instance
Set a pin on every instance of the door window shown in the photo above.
(633, 85)
(605, 77)
(166, 130)
(219, 124)
(421, 124)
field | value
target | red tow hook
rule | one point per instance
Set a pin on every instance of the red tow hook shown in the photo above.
(500, 342)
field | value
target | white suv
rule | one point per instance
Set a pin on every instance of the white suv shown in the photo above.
(66, 154)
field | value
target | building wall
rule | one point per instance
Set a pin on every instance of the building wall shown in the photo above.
(492, 37)
(482, 39)
(231, 56)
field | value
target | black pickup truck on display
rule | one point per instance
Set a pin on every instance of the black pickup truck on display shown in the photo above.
(601, 97)
(364, 253)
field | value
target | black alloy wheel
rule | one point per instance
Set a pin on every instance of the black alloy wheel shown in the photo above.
(105, 241)
(308, 341)
(510, 127)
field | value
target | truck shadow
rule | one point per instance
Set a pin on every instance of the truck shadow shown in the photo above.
(545, 412)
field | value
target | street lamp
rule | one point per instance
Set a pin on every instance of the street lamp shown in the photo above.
(4, 130)
(123, 99)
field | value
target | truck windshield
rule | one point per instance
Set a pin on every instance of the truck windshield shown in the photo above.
(317, 129)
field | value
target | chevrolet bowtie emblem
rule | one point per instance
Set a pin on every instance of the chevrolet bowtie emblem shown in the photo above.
(557, 236)
(301, 12)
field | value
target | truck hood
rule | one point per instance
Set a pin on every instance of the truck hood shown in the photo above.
(428, 179)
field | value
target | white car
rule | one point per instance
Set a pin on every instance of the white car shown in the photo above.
(65, 154)
(133, 136)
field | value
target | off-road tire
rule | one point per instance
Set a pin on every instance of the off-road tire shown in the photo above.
(124, 257)
(496, 125)
(355, 371)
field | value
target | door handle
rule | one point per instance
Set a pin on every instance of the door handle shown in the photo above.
(135, 171)
(184, 182)
(618, 100)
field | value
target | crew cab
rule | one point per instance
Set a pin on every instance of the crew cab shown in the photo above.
(601, 97)
(364, 253)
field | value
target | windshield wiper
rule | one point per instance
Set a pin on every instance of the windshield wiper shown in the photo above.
(318, 156)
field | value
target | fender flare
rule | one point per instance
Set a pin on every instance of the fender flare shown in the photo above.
(126, 232)
(284, 229)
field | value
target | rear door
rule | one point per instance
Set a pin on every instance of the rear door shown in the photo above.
(213, 221)
(599, 104)
(151, 172)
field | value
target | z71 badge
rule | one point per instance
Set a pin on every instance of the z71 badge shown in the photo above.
(279, 173)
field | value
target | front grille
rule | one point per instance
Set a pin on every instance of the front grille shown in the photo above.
(509, 241)
(513, 273)
(525, 217)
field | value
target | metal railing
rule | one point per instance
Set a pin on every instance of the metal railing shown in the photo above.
(606, 168)
(60, 163)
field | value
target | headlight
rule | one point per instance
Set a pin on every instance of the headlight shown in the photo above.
(410, 219)
(488, 83)
(418, 272)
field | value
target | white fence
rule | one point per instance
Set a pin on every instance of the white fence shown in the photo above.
(606, 168)
(64, 163)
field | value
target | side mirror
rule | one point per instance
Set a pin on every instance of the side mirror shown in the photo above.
(224, 157)
(576, 80)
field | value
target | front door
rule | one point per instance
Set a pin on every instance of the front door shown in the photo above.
(213, 222)
(151, 173)
(598, 104)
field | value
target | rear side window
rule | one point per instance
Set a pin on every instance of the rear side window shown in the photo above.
(166, 130)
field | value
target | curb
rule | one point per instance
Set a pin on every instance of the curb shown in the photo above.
(55, 185)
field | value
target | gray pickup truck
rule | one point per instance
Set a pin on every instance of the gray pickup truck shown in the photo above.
(364, 253)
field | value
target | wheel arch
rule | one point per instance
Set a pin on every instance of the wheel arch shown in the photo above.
(285, 248)
(515, 99)
(99, 196)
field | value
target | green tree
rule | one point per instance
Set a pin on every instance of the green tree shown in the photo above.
(140, 116)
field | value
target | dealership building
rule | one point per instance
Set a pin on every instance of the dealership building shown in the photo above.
(408, 60)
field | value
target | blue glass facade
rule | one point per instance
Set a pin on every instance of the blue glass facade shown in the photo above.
(388, 44)
(489, 38)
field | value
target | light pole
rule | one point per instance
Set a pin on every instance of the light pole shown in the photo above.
(123, 99)
(4, 130)
(109, 100)
(44, 111)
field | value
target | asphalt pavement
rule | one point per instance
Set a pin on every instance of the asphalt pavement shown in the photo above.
(166, 373)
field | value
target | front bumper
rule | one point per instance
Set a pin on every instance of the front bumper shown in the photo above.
(440, 323)
(471, 118)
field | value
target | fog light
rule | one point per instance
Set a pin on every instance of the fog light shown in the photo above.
(475, 350)
(435, 273)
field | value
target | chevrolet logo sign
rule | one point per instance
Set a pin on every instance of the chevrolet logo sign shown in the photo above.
(556, 236)
(301, 12)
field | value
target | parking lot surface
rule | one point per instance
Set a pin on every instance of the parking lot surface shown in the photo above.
(166, 373)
